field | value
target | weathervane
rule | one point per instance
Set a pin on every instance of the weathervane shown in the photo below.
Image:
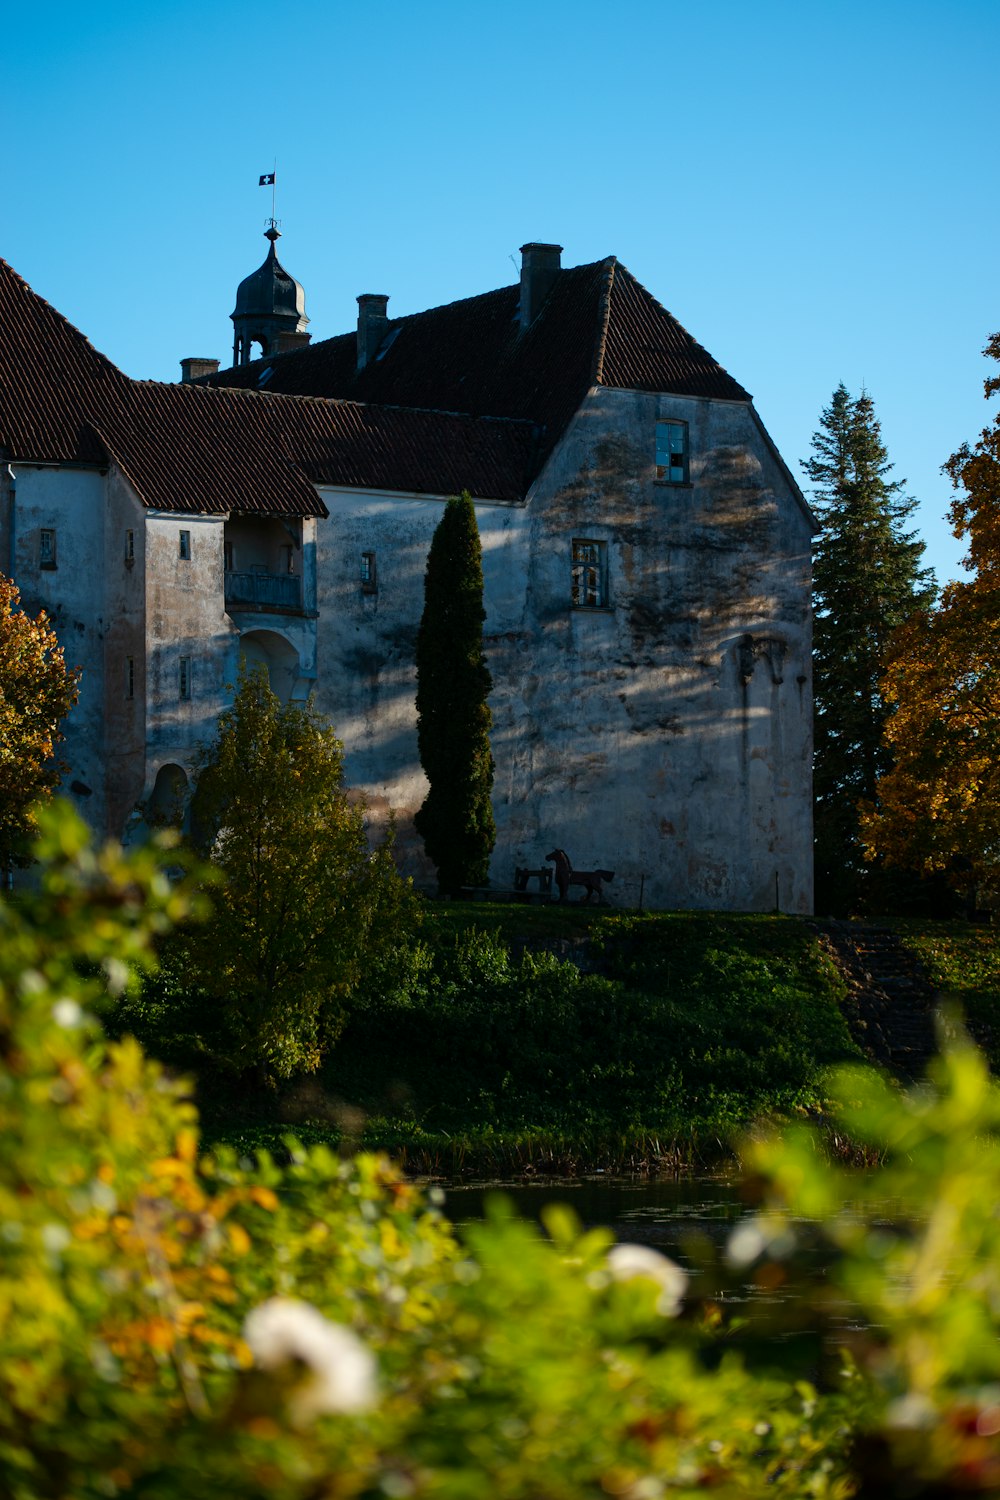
(267, 179)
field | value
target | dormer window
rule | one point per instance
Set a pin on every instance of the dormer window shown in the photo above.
(672, 452)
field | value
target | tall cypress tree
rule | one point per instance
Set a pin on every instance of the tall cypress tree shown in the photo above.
(453, 726)
(867, 580)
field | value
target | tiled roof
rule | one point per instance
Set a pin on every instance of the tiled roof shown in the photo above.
(188, 449)
(184, 448)
(598, 326)
(51, 380)
(456, 398)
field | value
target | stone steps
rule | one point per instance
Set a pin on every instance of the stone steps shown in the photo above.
(891, 1004)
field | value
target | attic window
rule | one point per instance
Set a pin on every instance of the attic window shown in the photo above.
(47, 548)
(672, 452)
(265, 375)
(184, 551)
(369, 576)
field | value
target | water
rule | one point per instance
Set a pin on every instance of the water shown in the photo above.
(690, 1219)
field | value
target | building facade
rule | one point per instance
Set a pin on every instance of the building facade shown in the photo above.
(646, 559)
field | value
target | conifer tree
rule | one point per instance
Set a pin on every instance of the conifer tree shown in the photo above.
(453, 727)
(867, 581)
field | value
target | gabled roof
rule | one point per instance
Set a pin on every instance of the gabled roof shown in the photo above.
(52, 380)
(456, 398)
(187, 449)
(597, 326)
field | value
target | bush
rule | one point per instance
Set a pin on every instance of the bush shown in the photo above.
(173, 1326)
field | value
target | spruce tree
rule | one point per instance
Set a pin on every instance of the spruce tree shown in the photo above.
(867, 580)
(453, 727)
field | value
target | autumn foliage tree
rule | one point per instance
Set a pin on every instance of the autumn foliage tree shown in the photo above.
(37, 691)
(867, 582)
(938, 808)
(453, 727)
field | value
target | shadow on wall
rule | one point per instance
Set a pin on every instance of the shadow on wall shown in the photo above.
(279, 656)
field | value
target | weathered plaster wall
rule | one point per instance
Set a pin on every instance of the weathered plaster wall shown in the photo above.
(185, 617)
(125, 638)
(69, 502)
(650, 737)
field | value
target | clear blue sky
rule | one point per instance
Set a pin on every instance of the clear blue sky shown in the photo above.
(811, 188)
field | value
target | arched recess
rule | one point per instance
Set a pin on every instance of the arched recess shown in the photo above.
(168, 804)
(277, 654)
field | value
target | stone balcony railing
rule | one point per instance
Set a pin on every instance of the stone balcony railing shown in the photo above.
(263, 591)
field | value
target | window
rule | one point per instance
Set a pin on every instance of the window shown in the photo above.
(130, 676)
(185, 546)
(590, 575)
(184, 680)
(130, 546)
(47, 548)
(369, 577)
(672, 452)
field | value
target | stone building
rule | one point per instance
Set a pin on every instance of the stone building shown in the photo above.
(646, 561)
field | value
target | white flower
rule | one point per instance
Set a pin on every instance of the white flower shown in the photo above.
(628, 1261)
(746, 1242)
(338, 1371)
(67, 1013)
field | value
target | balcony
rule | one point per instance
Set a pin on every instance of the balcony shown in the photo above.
(262, 590)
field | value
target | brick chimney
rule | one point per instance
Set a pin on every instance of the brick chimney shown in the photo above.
(193, 369)
(540, 266)
(372, 324)
(286, 339)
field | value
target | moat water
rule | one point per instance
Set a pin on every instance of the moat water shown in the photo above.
(690, 1219)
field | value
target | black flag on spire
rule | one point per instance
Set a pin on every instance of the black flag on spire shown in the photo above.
(266, 180)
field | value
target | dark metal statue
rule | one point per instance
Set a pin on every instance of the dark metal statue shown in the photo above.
(567, 876)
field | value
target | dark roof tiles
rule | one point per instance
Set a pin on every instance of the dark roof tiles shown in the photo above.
(457, 397)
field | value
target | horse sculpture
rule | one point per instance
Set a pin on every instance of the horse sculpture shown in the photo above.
(567, 876)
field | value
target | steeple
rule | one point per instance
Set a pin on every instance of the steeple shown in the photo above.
(270, 308)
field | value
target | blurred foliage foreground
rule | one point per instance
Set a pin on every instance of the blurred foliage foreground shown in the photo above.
(176, 1326)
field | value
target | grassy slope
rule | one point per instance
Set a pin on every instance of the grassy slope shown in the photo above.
(964, 963)
(689, 1026)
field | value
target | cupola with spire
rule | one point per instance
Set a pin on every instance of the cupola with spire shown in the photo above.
(270, 308)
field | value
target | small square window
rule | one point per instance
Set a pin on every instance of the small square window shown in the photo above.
(47, 548)
(130, 676)
(184, 678)
(185, 545)
(130, 546)
(369, 576)
(590, 575)
(672, 452)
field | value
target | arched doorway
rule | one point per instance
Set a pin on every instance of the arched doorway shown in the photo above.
(168, 803)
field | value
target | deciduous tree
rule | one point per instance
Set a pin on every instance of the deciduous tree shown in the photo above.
(37, 691)
(305, 900)
(939, 806)
(867, 582)
(453, 683)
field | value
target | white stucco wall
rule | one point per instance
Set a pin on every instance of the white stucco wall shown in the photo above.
(69, 502)
(628, 736)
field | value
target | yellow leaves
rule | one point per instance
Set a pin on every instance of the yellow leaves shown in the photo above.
(239, 1239)
(264, 1197)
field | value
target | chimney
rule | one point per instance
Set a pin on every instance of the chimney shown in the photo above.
(286, 339)
(372, 324)
(539, 269)
(193, 369)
